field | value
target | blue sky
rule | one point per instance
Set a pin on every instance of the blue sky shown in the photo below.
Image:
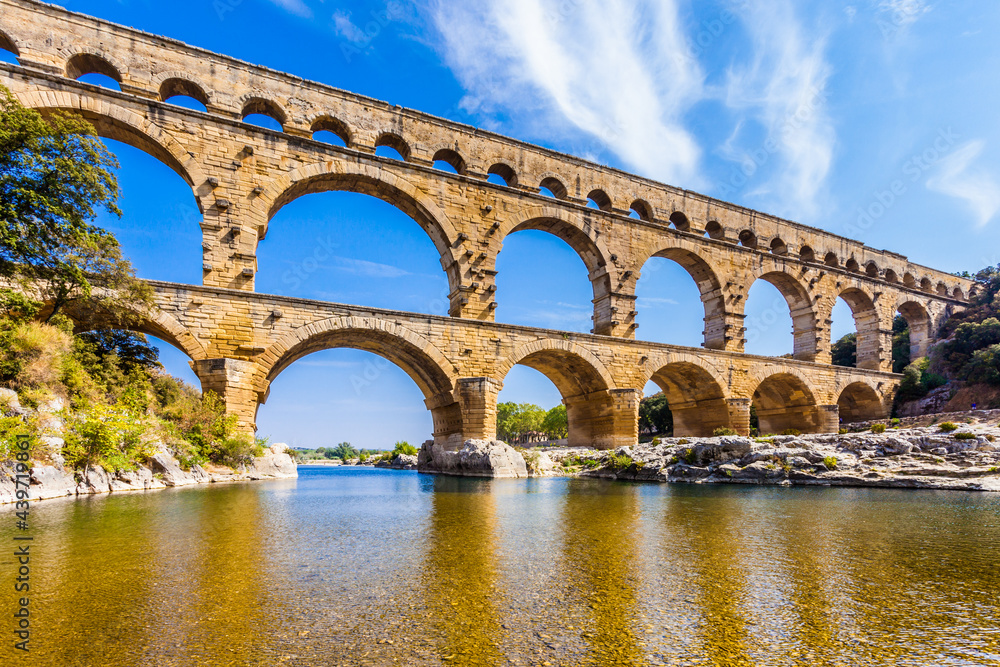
(808, 110)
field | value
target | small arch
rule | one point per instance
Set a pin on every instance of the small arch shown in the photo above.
(973, 292)
(451, 158)
(918, 321)
(176, 87)
(909, 280)
(642, 210)
(831, 259)
(504, 172)
(748, 239)
(600, 199)
(334, 126)
(858, 402)
(680, 221)
(800, 310)
(778, 247)
(7, 44)
(807, 254)
(957, 293)
(714, 230)
(554, 186)
(395, 142)
(925, 284)
(852, 265)
(891, 276)
(260, 106)
(871, 270)
(942, 289)
(82, 64)
(696, 399)
(866, 325)
(783, 401)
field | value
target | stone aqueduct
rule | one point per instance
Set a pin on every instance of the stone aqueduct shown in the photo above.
(241, 175)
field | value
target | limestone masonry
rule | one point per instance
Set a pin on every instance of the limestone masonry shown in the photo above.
(241, 175)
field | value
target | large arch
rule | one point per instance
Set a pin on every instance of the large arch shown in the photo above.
(860, 402)
(784, 401)
(695, 396)
(124, 125)
(583, 382)
(919, 322)
(154, 323)
(7, 43)
(800, 308)
(706, 279)
(367, 180)
(866, 324)
(575, 231)
(414, 354)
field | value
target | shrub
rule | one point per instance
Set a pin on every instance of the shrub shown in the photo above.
(618, 461)
(994, 469)
(683, 441)
(690, 457)
(830, 462)
(791, 431)
(878, 428)
(842, 431)
(404, 447)
(238, 450)
(722, 430)
(964, 436)
(947, 427)
(991, 438)
(110, 437)
(591, 463)
(895, 421)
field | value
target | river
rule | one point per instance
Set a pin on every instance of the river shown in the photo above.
(348, 566)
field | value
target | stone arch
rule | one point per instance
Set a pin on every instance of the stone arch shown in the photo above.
(601, 199)
(156, 323)
(831, 259)
(583, 382)
(643, 209)
(715, 230)
(784, 400)
(748, 239)
(80, 60)
(800, 308)
(891, 276)
(7, 43)
(958, 294)
(424, 363)
(694, 393)
(807, 254)
(395, 142)
(919, 322)
(867, 326)
(328, 123)
(706, 278)
(554, 185)
(123, 125)
(451, 157)
(680, 221)
(505, 171)
(778, 247)
(909, 280)
(169, 84)
(255, 103)
(860, 402)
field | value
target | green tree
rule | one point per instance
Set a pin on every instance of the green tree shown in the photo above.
(55, 175)
(343, 451)
(556, 423)
(845, 351)
(403, 447)
(516, 419)
(655, 415)
(900, 344)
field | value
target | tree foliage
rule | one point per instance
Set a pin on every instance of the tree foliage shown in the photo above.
(515, 420)
(845, 351)
(900, 344)
(655, 415)
(55, 175)
(556, 423)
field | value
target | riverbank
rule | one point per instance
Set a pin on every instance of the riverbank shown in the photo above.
(160, 472)
(962, 456)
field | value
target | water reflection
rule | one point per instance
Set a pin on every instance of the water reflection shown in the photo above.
(460, 573)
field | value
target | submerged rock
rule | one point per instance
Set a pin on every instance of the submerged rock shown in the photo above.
(476, 458)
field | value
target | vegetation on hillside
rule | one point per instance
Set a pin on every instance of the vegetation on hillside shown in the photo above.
(518, 422)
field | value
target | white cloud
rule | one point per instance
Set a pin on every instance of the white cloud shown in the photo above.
(345, 28)
(360, 267)
(783, 86)
(902, 12)
(297, 7)
(956, 176)
(620, 71)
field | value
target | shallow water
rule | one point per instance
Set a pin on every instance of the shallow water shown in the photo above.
(367, 567)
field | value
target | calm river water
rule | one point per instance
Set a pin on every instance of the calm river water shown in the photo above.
(366, 567)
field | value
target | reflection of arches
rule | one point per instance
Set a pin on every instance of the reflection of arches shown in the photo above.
(582, 380)
(91, 63)
(866, 323)
(800, 309)
(784, 401)
(122, 125)
(695, 397)
(414, 354)
(372, 181)
(858, 402)
(919, 322)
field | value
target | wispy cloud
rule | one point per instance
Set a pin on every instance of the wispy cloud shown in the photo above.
(783, 86)
(618, 71)
(364, 268)
(652, 300)
(344, 27)
(956, 176)
(902, 12)
(297, 7)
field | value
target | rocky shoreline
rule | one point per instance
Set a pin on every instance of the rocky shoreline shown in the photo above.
(161, 472)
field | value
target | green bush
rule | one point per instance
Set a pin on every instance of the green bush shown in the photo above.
(690, 456)
(112, 437)
(947, 427)
(878, 428)
(724, 431)
(404, 447)
(618, 461)
(842, 431)
(683, 441)
(791, 431)
(964, 436)
(830, 462)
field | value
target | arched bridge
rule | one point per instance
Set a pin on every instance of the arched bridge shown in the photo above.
(241, 175)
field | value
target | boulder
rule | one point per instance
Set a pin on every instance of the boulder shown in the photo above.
(93, 479)
(476, 458)
(272, 465)
(728, 448)
(169, 471)
(51, 482)
(404, 462)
